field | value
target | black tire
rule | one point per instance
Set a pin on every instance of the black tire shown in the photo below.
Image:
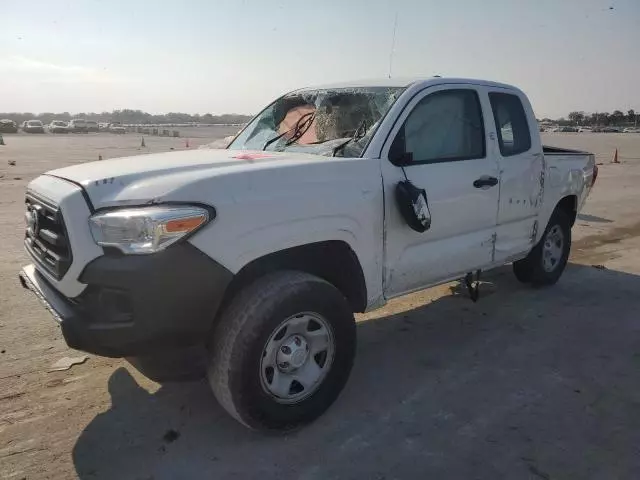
(240, 337)
(531, 269)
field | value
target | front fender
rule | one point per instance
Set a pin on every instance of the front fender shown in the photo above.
(268, 239)
(295, 233)
(267, 212)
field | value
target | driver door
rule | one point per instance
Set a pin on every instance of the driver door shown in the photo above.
(442, 137)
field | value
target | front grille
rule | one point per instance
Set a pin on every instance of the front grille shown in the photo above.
(46, 237)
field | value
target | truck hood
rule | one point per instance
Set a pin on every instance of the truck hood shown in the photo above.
(145, 178)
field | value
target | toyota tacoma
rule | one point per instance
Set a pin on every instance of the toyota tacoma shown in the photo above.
(330, 201)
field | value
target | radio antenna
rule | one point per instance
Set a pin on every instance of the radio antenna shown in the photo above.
(393, 43)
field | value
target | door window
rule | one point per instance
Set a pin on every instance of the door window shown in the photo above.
(511, 124)
(444, 126)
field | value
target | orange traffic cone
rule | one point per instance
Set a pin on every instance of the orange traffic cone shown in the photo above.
(186, 143)
(615, 157)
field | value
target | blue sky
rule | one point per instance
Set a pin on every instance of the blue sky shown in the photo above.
(235, 56)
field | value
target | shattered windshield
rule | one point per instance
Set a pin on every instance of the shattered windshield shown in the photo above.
(332, 122)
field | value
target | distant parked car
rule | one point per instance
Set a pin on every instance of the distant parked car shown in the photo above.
(33, 126)
(631, 130)
(78, 125)
(117, 128)
(8, 126)
(584, 129)
(610, 130)
(58, 126)
(103, 126)
(92, 126)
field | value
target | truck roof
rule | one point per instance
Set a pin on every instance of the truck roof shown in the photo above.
(408, 81)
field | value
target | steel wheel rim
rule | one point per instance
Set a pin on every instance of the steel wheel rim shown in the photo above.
(297, 357)
(552, 249)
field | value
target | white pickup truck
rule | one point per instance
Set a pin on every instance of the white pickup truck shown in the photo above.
(330, 201)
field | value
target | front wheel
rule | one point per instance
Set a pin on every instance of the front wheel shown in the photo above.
(282, 351)
(547, 260)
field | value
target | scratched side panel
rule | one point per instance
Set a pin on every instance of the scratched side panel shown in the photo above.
(522, 196)
(566, 175)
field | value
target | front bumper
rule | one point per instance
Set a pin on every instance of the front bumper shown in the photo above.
(137, 304)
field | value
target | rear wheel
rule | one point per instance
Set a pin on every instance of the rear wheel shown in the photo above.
(547, 260)
(282, 351)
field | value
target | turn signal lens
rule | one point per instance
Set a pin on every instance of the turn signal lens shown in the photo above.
(184, 224)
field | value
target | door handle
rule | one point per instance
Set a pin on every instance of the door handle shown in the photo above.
(485, 182)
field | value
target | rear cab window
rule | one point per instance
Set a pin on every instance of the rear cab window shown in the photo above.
(514, 136)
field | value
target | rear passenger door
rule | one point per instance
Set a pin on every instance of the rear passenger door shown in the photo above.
(521, 162)
(442, 131)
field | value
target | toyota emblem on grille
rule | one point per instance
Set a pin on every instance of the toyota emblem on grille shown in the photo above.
(33, 223)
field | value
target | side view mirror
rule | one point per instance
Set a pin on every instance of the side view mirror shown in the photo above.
(413, 205)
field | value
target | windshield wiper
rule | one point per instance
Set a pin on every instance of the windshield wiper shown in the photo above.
(360, 132)
(297, 130)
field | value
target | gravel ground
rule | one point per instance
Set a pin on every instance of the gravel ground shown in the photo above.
(540, 384)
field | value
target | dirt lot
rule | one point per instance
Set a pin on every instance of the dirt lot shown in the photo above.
(540, 384)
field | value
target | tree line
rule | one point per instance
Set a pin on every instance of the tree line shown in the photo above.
(127, 116)
(616, 118)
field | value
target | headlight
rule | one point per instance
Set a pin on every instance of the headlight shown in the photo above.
(146, 229)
